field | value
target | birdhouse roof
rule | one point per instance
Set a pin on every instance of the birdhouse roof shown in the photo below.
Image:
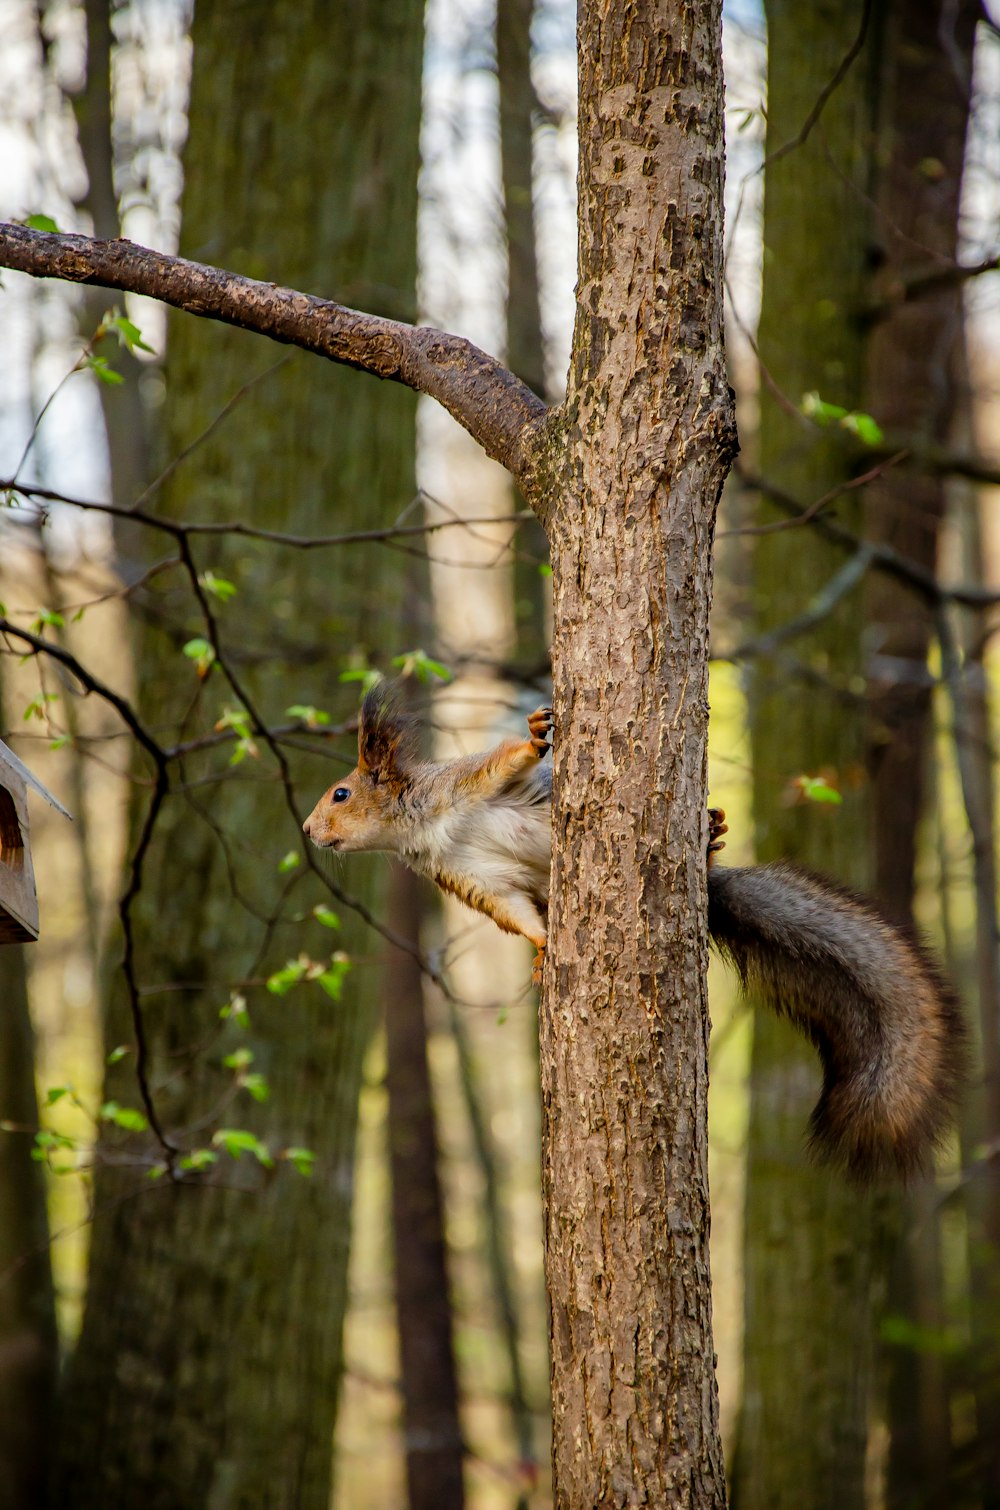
(15, 764)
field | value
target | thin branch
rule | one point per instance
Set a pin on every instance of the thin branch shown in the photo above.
(496, 408)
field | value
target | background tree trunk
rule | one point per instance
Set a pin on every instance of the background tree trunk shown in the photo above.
(915, 371)
(29, 1351)
(624, 1022)
(813, 1245)
(208, 1363)
(423, 1300)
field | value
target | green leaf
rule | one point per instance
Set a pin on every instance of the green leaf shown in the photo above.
(236, 1009)
(117, 1054)
(326, 916)
(220, 587)
(813, 407)
(544, 569)
(256, 1085)
(57, 744)
(36, 708)
(123, 1116)
(303, 1159)
(41, 223)
(102, 371)
(865, 428)
(239, 1059)
(312, 717)
(288, 862)
(282, 981)
(367, 676)
(49, 616)
(202, 652)
(332, 978)
(198, 1159)
(419, 664)
(815, 789)
(56, 1093)
(128, 334)
(237, 1141)
(46, 1138)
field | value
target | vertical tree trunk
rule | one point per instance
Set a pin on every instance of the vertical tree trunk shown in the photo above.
(208, 1363)
(29, 1349)
(423, 1301)
(650, 433)
(525, 347)
(812, 1244)
(915, 370)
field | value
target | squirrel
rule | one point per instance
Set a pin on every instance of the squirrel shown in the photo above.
(870, 998)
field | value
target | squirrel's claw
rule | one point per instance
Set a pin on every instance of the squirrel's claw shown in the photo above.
(717, 826)
(539, 727)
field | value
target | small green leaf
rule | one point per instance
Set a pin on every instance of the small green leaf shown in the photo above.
(326, 916)
(123, 1116)
(865, 428)
(198, 1159)
(220, 587)
(282, 981)
(332, 978)
(312, 717)
(813, 407)
(41, 223)
(288, 862)
(236, 1009)
(419, 664)
(202, 652)
(367, 676)
(256, 1085)
(239, 1059)
(57, 744)
(117, 1054)
(815, 789)
(303, 1159)
(128, 334)
(36, 708)
(236, 1141)
(49, 616)
(102, 371)
(56, 1093)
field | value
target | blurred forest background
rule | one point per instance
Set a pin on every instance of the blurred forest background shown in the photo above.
(270, 1225)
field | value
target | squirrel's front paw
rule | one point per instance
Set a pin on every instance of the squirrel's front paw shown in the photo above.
(717, 826)
(539, 727)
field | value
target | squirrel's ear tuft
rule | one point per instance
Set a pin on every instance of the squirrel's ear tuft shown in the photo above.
(386, 739)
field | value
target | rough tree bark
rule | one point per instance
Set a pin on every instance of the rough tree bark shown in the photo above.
(813, 1246)
(915, 373)
(649, 435)
(29, 1347)
(627, 478)
(208, 1365)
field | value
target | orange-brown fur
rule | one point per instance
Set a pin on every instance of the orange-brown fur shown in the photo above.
(886, 1026)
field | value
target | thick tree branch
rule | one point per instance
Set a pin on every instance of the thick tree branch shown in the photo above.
(496, 408)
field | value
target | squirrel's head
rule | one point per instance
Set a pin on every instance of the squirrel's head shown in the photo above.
(361, 810)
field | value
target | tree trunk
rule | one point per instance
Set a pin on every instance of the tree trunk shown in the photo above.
(525, 347)
(650, 436)
(208, 1364)
(812, 1244)
(29, 1350)
(915, 371)
(423, 1302)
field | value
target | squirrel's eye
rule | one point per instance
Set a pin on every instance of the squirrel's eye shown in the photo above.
(341, 794)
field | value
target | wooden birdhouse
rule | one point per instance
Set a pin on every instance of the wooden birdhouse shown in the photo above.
(18, 902)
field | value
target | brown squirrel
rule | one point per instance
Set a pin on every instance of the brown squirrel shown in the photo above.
(886, 1025)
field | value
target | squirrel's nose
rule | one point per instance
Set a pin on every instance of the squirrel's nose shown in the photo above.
(305, 827)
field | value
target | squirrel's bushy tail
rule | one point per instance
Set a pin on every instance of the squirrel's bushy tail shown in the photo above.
(886, 1025)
